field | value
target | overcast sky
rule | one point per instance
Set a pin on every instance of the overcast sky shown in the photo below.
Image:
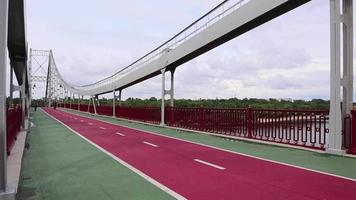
(287, 57)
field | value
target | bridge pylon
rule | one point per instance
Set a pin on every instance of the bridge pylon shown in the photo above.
(341, 72)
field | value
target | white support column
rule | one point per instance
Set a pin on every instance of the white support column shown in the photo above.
(93, 98)
(82, 100)
(50, 84)
(78, 102)
(88, 110)
(338, 110)
(71, 99)
(120, 101)
(3, 69)
(114, 104)
(163, 71)
(171, 91)
(347, 79)
(97, 98)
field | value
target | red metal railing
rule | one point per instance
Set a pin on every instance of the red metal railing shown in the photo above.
(301, 128)
(145, 114)
(297, 127)
(104, 110)
(14, 120)
(306, 128)
(352, 139)
(222, 121)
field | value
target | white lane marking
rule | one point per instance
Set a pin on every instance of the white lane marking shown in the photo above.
(153, 145)
(81, 114)
(75, 118)
(210, 164)
(90, 124)
(81, 120)
(102, 128)
(140, 173)
(121, 134)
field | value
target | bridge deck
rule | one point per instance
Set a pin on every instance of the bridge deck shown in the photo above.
(68, 166)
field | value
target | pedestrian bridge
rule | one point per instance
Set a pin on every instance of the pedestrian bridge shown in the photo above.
(167, 134)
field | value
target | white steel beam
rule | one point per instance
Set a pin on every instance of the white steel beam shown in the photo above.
(3, 69)
(228, 20)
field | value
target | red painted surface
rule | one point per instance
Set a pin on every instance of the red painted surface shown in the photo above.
(14, 120)
(295, 127)
(172, 164)
(352, 149)
(305, 128)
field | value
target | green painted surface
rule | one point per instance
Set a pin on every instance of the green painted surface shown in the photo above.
(338, 165)
(61, 165)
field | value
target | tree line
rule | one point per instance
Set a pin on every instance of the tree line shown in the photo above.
(314, 104)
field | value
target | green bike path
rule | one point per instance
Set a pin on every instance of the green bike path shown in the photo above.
(60, 165)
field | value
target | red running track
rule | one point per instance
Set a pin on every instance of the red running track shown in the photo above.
(173, 164)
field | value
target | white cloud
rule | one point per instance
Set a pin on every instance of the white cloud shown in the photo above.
(287, 57)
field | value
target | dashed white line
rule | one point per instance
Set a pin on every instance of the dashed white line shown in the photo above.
(153, 145)
(221, 149)
(90, 124)
(81, 120)
(209, 164)
(121, 134)
(75, 118)
(102, 128)
(148, 178)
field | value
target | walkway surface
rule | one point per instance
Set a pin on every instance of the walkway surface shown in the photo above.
(188, 169)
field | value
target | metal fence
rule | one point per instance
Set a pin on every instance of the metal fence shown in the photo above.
(306, 128)
(145, 114)
(14, 121)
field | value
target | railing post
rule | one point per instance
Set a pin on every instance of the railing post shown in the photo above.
(3, 109)
(249, 121)
(171, 119)
(352, 149)
(202, 118)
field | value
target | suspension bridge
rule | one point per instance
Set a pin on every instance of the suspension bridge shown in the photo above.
(171, 152)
